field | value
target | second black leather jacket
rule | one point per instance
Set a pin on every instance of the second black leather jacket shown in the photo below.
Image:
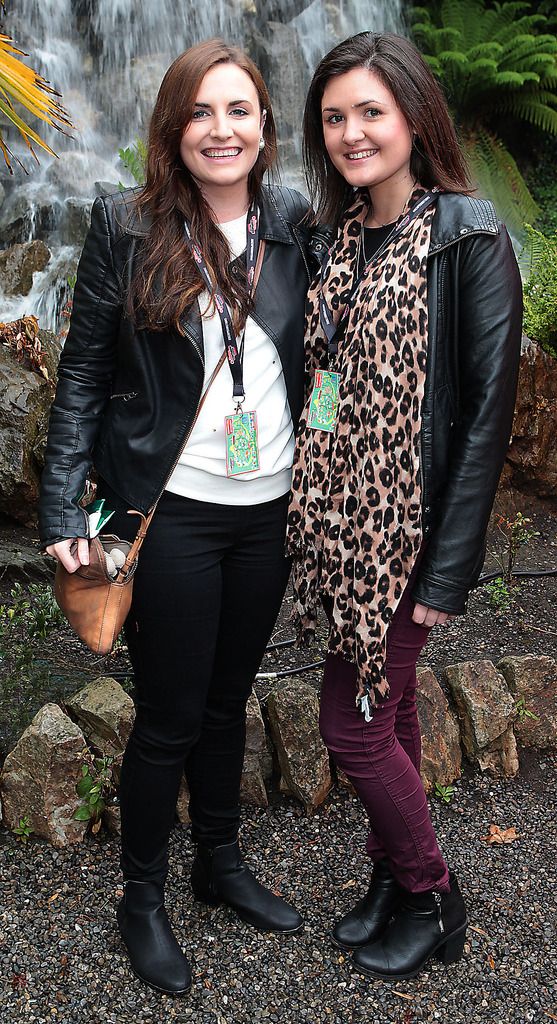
(126, 398)
(474, 337)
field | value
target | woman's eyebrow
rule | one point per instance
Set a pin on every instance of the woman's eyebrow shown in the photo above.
(233, 103)
(365, 103)
(353, 106)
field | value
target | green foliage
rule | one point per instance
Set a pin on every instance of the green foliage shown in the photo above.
(36, 608)
(94, 786)
(444, 793)
(542, 182)
(496, 62)
(539, 262)
(23, 830)
(515, 533)
(501, 595)
(134, 159)
(522, 711)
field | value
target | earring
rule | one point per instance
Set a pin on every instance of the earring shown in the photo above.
(261, 144)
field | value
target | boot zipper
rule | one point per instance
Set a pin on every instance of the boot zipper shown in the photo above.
(438, 899)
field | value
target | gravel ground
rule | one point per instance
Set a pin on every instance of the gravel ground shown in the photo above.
(62, 960)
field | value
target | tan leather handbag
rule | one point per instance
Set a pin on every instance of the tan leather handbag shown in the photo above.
(95, 604)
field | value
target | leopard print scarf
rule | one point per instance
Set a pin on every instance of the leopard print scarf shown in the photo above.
(354, 526)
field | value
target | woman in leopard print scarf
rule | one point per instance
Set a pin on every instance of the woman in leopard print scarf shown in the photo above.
(385, 169)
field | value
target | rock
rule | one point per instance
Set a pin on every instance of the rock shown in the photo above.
(112, 818)
(16, 219)
(252, 786)
(23, 560)
(40, 775)
(51, 347)
(106, 188)
(75, 221)
(182, 804)
(533, 681)
(280, 59)
(72, 175)
(252, 789)
(532, 455)
(26, 217)
(486, 712)
(25, 399)
(19, 263)
(441, 753)
(304, 761)
(106, 715)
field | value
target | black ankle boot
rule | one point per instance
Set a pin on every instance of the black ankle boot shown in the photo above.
(220, 875)
(424, 923)
(155, 955)
(371, 915)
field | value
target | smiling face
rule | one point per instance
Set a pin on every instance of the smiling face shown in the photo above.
(366, 135)
(220, 145)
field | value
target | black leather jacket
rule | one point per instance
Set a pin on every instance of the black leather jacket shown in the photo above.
(126, 398)
(474, 335)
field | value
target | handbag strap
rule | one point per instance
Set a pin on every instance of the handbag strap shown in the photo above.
(146, 520)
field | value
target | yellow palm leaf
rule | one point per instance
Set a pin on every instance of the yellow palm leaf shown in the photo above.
(20, 84)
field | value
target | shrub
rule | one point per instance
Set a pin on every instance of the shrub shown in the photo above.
(539, 258)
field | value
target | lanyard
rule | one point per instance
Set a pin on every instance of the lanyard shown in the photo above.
(234, 354)
(331, 331)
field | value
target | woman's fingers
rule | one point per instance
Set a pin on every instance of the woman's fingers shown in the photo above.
(429, 617)
(71, 553)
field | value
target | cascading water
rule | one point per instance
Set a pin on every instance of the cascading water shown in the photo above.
(107, 58)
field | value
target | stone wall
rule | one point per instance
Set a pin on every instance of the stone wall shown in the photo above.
(476, 713)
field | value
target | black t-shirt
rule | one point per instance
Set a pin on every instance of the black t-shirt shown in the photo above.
(372, 239)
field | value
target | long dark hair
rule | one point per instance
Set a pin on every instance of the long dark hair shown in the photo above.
(436, 157)
(165, 281)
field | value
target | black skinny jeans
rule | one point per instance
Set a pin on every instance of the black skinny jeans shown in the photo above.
(207, 591)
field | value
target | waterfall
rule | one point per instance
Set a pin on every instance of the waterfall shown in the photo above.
(108, 57)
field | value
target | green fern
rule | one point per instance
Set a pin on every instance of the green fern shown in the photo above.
(496, 61)
(498, 177)
(134, 159)
(538, 261)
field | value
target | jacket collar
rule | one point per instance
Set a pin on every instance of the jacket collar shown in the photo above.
(457, 216)
(272, 227)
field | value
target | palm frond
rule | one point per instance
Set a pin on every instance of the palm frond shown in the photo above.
(20, 84)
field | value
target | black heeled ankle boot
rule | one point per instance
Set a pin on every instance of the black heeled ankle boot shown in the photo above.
(424, 923)
(371, 915)
(155, 956)
(220, 875)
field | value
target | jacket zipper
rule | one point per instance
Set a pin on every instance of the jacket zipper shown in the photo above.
(459, 238)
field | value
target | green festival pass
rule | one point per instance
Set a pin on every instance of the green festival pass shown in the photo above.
(323, 406)
(242, 444)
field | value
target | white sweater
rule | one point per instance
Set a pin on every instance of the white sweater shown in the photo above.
(201, 471)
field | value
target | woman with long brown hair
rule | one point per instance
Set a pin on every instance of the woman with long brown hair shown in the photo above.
(413, 341)
(181, 383)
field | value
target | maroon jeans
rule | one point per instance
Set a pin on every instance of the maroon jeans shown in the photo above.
(382, 757)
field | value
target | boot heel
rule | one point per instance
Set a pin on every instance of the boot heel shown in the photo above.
(452, 949)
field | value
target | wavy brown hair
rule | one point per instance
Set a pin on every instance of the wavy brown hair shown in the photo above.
(166, 281)
(436, 158)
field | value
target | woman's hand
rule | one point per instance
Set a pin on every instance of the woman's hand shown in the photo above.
(71, 553)
(428, 617)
